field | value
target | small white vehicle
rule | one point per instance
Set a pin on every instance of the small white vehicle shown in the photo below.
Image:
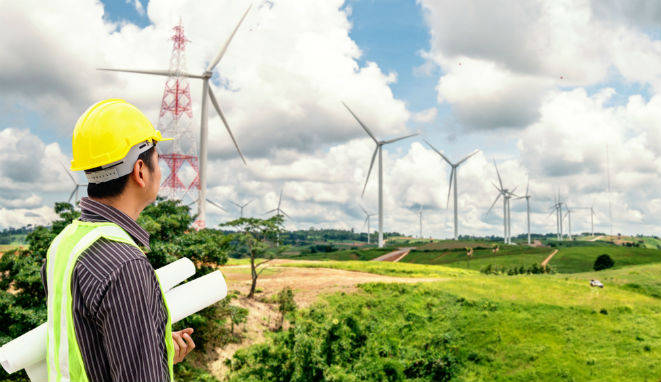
(596, 283)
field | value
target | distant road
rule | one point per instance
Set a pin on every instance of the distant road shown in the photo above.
(394, 256)
(546, 261)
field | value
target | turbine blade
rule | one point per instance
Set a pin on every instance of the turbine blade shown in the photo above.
(493, 204)
(528, 188)
(361, 123)
(399, 139)
(438, 152)
(236, 204)
(370, 170)
(364, 210)
(72, 193)
(498, 172)
(227, 43)
(227, 126)
(216, 204)
(280, 198)
(268, 212)
(468, 157)
(452, 174)
(68, 173)
(365, 222)
(165, 73)
(249, 202)
(284, 213)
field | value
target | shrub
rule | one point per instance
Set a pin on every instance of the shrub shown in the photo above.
(603, 262)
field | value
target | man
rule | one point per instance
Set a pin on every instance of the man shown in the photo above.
(107, 317)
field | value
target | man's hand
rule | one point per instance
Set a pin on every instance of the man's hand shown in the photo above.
(183, 344)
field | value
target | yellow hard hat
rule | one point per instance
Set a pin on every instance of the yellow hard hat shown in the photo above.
(107, 131)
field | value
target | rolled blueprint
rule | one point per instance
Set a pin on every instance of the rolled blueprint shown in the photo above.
(196, 295)
(174, 273)
(30, 348)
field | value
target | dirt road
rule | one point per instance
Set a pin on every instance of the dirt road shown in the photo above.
(394, 256)
(546, 261)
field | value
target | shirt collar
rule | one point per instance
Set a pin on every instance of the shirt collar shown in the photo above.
(94, 211)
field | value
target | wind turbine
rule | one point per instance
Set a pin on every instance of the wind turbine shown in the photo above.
(207, 93)
(592, 213)
(367, 221)
(507, 195)
(453, 175)
(241, 206)
(379, 150)
(76, 186)
(278, 210)
(527, 197)
(557, 208)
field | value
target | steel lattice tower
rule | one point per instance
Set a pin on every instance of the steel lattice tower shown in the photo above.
(175, 120)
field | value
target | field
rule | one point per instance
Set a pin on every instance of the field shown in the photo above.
(472, 327)
(481, 257)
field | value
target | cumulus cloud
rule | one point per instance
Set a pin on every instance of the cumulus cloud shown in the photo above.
(425, 116)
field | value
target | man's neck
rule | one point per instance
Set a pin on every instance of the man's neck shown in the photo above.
(127, 206)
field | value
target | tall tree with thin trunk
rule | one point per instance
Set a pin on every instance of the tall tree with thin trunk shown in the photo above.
(256, 239)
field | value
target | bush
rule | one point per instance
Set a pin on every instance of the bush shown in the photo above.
(603, 262)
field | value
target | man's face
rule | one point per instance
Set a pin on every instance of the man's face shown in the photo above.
(155, 177)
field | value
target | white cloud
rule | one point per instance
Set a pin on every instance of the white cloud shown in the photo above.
(425, 116)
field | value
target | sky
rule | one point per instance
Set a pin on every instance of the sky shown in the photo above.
(543, 88)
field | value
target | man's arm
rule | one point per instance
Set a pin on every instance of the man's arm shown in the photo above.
(133, 318)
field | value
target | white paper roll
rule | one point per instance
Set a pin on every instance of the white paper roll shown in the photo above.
(25, 350)
(175, 273)
(196, 295)
(38, 372)
(30, 348)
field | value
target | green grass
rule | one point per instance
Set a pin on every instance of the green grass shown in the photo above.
(477, 328)
(581, 259)
(643, 279)
(505, 257)
(343, 255)
(386, 268)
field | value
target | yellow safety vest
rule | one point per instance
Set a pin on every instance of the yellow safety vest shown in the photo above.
(65, 362)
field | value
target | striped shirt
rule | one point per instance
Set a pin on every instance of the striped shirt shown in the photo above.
(118, 310)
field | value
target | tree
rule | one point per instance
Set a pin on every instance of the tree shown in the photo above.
(286, 304)
(603, 262)
(256, 238)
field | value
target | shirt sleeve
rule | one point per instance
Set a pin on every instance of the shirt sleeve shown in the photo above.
(132, 319)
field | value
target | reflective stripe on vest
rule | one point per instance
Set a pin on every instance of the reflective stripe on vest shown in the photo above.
(64, 359)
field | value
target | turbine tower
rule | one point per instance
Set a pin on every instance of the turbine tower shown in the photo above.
(507, 195)
(592, 213)
(367, 221)
(557, 208)
(568, 216)
(379, 150)
(527, 197)
(241, 206)
(420, 219)
(453, 175)
(207, 94)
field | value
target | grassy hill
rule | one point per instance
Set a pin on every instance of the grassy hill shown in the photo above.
(471, 327)
(506, 256)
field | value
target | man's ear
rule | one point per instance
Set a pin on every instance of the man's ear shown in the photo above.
(138, 174)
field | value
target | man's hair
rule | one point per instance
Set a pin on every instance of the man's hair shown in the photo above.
(115, 187)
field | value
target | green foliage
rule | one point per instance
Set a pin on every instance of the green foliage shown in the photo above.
(534, 269)
(469, 329)
(347, 254)
(352, 339)
(286, 304)
(603, 262)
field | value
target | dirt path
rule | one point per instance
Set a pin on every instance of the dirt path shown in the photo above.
(394, 256)
(307, 283)
(546, 261)
(596, 238)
